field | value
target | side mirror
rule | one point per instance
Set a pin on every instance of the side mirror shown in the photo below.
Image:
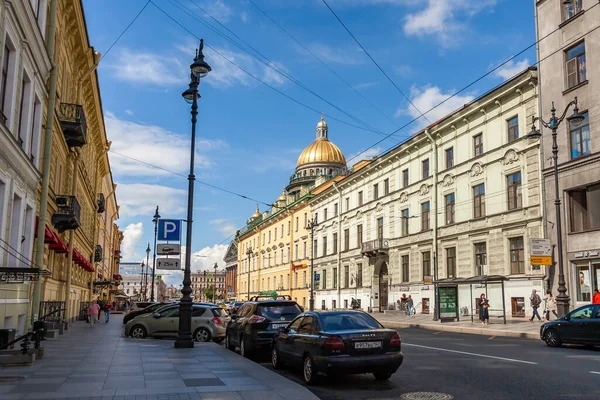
(567, 317)
(283, 330)
(156, 315)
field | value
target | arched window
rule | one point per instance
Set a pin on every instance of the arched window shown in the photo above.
(312, 172)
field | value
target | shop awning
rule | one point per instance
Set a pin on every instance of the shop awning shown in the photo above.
(82, 261)
(54, 241)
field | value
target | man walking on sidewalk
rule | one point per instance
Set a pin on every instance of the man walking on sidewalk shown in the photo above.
(107, 309)
(409, 306)
(535, 301)
(93, 311)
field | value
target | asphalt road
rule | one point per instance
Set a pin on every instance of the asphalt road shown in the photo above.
(472, 367)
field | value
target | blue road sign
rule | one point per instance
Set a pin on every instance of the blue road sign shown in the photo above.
(169, 229)
(229, 289)
(317, 277)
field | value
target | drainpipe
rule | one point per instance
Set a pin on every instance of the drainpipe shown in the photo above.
(76, 152)
(47, 158)
(435, 225)
(339, 244)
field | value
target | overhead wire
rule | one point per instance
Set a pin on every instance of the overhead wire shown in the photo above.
(124, 31)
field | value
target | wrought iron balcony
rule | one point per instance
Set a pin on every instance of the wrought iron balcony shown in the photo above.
(72, 122)
(375, 247)
(68, 215)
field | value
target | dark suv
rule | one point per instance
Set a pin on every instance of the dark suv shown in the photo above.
(257, 321)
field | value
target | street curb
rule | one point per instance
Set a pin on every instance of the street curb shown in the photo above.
(458, 329)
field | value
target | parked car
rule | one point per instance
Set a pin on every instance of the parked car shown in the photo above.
(236, 306)
(140, 305)
(338, 342)
(256, 322)
(208, 323)
(150, 309)
(580, 326)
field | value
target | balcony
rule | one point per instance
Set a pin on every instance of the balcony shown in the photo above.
(101, 204)
(67, 216)
(376, 247)
(72, 122)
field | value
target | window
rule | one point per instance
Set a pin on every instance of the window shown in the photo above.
(335, 243)
(304, 279)
(585, 208)
(375, 191)
(380, 228)
(24, 107)
(314, 251)
(288, 229)
(449, 199)
(405, 221)
(325, 214)
(405, 269)
(478, 144)
(324, 246)
(346, 276)
(517, 256)
(269, 236)
(296, 254)
(426, 257)
(297, 223)
(426, 169)
(451, 262)
(514, 191)
(335, 278)
(275, 236)
(450, 157)
(580, 138)
(360, 198)
(335, 209)
(570, 9)
(479, 201)
(304, 250)
(359, 275)
(305, 220)
(513, 128)
(386, 187)
(405, 178)
(324, 279)
(3, 205)
(576, 67)
(8, 71)
(425, 216)
(15, 230)
(359, 235)
(346, 239)
(347, 203)
(584, 288)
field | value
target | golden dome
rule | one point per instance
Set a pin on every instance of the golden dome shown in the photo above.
(283, 196)
(322, 123)
(321, 151)
(257, 214)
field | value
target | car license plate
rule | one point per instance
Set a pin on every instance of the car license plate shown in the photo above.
(277, 326)
(367, 345)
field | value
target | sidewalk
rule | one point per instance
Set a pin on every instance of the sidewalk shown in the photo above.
(513, 328)
(99, 363)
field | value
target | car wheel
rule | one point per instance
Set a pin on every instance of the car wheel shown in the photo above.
(309, 372)
(218, 339)
(202, 335)
(551, 338)
(244, 350)
(275, 359)
(138, 332)
(382, 376)
(228, 344)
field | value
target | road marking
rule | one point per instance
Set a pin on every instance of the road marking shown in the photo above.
(491, 337)
(437, 333)
(595, 372)
(470, 354)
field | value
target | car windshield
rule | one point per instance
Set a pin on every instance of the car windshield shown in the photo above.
(219, 312)
(348, 321)
(279, 311)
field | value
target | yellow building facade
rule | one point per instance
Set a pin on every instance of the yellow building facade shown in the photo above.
(82, 239)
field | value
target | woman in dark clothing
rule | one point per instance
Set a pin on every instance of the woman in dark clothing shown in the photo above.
(484, 315)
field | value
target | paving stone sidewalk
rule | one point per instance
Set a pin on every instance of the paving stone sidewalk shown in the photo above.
(99, 363)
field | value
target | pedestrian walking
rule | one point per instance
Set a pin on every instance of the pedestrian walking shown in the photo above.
(535, 300)
(596, 298)
(484, 305)
(93, 311)
(550, 305)
(107, 309)
(409, 306)
(353, 303)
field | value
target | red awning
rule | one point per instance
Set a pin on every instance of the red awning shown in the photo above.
(58, 245)
(82, 261)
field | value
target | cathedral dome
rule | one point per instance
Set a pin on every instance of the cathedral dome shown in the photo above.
(321, 150)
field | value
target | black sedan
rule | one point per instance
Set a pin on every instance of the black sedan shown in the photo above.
(338, 342)
(580, 326)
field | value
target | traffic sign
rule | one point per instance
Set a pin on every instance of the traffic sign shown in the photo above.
(229, 289)
(541, 260)
(540, 251)
(169, 229)
(168, 249)
(317, 277)
(167, 263)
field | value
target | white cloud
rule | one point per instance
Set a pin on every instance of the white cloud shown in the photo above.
(244, 16)
(429, 96)
(159, 146)
(129, 112)
(224, 225)
(365, 155)
(511, 69)
(140, 199)
(206, 262)
(218, 9)
(444, 19)
(148, 68)
(403, 70)
(131, 237)
(334, 54)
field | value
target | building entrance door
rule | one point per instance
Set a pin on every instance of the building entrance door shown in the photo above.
(383, 293)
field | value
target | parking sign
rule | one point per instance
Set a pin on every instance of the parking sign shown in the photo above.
(169, 229)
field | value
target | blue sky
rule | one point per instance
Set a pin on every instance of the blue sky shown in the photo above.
(249, 135)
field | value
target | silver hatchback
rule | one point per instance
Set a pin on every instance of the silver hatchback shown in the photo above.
(208, 323)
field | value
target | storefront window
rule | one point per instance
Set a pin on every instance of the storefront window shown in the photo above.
(584, 291)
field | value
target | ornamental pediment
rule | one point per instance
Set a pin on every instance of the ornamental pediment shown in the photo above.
(424, 190)
(448, 180)
(476, 170)
(510, 157)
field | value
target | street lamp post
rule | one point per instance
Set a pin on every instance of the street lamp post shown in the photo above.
(199, 69)
(249, 253)
(146, 276)
(312, 224)
(141, 280)
(562, 299)
(155, 220)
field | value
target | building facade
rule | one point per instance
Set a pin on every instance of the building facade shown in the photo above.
(459, 199)
(203, 280)
(570, 68)
(231, 260)
(25, 68)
